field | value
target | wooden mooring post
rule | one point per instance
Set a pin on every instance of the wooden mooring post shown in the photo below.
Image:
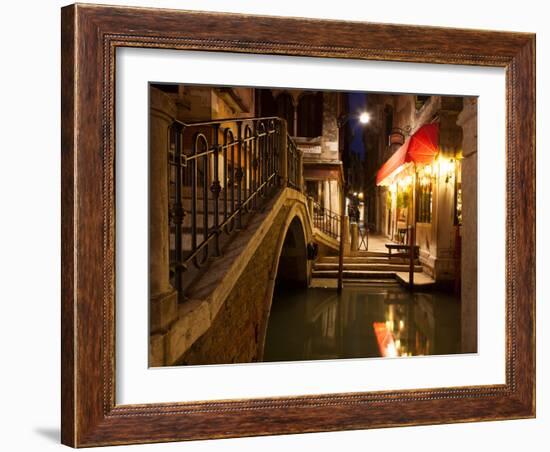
(412, 257)
(342, 236)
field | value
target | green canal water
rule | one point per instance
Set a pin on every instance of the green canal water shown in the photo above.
(362, 322)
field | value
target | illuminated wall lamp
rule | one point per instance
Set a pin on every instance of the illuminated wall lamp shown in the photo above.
(446, 168)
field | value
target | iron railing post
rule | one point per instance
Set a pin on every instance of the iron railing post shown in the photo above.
(254, 164)
(239, 175)
(225, 164)
(246, 164)
(283, 173)
(300, 170)
(215, 188)
(231, 180)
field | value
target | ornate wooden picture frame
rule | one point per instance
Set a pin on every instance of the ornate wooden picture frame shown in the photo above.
(90, 37)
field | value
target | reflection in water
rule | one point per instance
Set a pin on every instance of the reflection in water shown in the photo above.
(362, 322)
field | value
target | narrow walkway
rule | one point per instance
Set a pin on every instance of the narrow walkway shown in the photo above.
(377, 243)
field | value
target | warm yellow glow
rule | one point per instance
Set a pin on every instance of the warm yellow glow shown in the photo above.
(360, 195)
(428, 170)
(393, 188)
(446, 167)
(391, 352)
(364, 118)
(406, 182)
(401, 324)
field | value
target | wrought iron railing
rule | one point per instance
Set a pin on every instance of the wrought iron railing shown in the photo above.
(293, 161)
(219, 172)
(326, 221)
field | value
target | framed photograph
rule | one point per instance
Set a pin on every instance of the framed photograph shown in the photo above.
(282, 225)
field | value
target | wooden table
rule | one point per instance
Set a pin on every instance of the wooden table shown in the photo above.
(404, 248)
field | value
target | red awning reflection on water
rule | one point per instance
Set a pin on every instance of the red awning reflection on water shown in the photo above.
(384, 337)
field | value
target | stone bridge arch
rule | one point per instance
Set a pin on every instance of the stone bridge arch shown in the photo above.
(227, 322)
(290, 265)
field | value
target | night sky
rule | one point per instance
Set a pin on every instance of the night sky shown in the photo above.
(357, 103)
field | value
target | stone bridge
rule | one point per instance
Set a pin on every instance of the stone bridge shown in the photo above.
(225, 318)
(227, 221)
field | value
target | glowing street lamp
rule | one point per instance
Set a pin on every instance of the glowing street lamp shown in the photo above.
(364, 118)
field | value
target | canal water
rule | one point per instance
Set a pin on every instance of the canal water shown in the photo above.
(362, 322)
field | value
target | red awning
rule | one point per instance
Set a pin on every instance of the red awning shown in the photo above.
(422, 147)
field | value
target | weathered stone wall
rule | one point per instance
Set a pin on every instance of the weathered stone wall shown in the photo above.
(468, 121)
(329, 139)
(163, 298)
(201, 103)
(235, 335)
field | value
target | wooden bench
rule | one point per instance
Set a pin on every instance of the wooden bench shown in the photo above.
(404, 248)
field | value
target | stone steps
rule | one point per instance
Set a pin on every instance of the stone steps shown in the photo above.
(360, 255)
(366, 260)
(366, 267)
(332, 283)
(420, 280)
(355, 274)
(370, 267)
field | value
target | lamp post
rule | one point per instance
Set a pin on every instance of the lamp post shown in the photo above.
(363, 118)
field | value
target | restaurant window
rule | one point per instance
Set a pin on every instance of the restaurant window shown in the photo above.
(424, 198)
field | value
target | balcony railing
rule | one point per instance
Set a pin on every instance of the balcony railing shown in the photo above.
(326, 221)
(220, 172)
